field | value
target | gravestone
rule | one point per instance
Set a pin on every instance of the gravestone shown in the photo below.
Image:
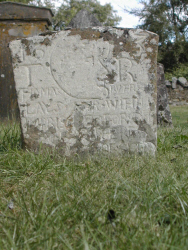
(84, 19)
(16, 21)
(183, 81)
(163, 111)
(174, 82)
(84, 90)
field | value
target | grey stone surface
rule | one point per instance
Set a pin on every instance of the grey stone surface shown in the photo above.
(84, 19)
(182, 81)
(168, 83)
(163, 111)
(174, 82)
(88, 90)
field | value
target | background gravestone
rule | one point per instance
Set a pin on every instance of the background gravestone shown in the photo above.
(84, 19)
(84, 90)
(16, 21)
(163, 111)
(174, 82)
(178, 95)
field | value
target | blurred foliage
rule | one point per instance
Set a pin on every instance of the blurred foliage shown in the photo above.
(68, 9)
(18, 1)
(181, 70)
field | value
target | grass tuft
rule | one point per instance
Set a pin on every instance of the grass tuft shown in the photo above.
(10, 136)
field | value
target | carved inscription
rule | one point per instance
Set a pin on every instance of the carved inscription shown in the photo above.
(108, 106)
(111, 120)
(26, 94)
(99, 74)
(88, 90)
(45, 123)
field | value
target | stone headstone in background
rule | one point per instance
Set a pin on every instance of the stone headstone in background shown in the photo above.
(168, 84)
(84, 19)
(178, 95)
(183, 81)
(174, 82)
(163, 111)
(88, 90)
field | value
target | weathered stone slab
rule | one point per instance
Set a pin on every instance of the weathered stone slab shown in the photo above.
(168, 84)
(182, 81)
(88, 90)
(174, 82)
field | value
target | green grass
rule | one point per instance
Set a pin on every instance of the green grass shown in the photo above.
(64, 204)
(180, 116)
(10, 136)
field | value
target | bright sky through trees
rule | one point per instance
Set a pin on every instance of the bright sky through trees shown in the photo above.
(128, 21)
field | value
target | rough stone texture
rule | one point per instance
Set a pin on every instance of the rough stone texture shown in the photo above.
(178, 96)
(16, 21)
(174, 82)
(87, 90)
(168, 83)
(84, 19)
(182, 81)
(163, 111)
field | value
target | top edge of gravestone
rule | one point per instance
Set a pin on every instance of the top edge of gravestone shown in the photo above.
(93, 33)
(101, 29)
(88, 33)
(18, 11)
(108, 28)
(109, 33)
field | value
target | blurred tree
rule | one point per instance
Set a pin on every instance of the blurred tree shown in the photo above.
(45, 3)
(18, 1)
(69, 8)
